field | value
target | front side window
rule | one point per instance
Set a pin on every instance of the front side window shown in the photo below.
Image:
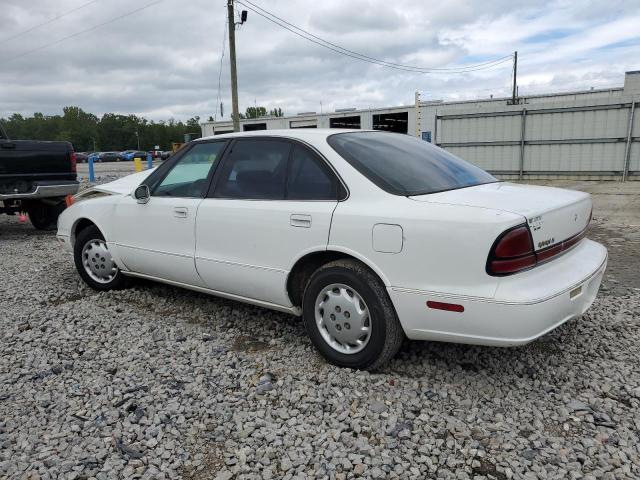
(307, 179)
(255, 170)
(189, 176)
(404, 165)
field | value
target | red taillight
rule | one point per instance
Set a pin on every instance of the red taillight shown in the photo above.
(73, 160)
(512, 252)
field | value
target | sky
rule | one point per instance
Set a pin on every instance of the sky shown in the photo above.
(161, 58)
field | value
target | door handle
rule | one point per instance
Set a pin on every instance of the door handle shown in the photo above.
(180, 212)
(298, 220)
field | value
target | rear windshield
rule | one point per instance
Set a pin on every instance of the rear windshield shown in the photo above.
(404, 165)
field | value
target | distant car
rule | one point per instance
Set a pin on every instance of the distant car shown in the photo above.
(82, 157)
(131, 154)
(370, 236)
(95, 157)
(109, 157)
(165, 155)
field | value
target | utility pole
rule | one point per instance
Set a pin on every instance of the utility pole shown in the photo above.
(515, 75)
(232, 59)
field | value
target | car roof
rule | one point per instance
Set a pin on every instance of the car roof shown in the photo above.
(299, 133)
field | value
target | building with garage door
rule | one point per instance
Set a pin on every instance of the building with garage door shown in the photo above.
(590, 134)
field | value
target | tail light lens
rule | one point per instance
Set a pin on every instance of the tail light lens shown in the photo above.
(74, 161)
(512, 252)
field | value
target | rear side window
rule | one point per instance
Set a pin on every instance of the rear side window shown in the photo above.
(308, 179)
(255, 169)
(405, 165)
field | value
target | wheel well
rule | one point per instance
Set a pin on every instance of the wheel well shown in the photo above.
(304, 268)
(79, 226)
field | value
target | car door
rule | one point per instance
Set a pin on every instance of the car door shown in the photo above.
(272, 202)
(157, 238)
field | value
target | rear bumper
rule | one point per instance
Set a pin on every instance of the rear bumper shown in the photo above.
(45, 190)
(526, 305)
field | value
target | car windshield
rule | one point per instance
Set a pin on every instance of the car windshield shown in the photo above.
(404, 165)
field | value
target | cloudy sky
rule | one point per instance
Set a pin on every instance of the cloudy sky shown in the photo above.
(163, 61)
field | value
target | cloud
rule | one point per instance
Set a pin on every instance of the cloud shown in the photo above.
(163, 61)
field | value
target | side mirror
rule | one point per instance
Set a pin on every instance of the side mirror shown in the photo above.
(142, 194)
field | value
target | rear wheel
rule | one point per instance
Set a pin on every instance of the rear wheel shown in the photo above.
(44, 216)
(349, 316)
(94, 261)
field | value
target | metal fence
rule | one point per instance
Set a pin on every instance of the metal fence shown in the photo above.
(601, 139)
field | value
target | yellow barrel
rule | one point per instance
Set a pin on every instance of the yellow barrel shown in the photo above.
(138, 164)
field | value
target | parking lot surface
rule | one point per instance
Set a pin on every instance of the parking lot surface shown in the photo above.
(159, 382)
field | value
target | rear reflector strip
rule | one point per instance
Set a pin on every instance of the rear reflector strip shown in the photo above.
(449, 307)
(560, 247)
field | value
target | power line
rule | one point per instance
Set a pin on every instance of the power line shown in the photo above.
(86, 30)
(359, 56)
(366, 56)
(58, 17)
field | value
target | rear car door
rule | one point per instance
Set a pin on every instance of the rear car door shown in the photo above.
(272, 202)
(157, 238)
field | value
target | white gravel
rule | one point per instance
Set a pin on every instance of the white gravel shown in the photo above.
(158, 382)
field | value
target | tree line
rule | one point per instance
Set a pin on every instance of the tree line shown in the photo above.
(111, 132)
(257, 112)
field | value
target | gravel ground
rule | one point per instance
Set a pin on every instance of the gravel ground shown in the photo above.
(159, 382)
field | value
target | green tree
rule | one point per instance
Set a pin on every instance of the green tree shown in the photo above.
(255, 112)
(79, 128)
(110, 132)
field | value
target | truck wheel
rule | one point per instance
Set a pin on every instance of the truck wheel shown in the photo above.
(94, 262)
(44, 216)
(349, 316)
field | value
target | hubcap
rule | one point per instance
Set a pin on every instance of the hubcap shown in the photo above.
(98, 262)
(343, 318)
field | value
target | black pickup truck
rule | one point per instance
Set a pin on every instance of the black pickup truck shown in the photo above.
(36, 177)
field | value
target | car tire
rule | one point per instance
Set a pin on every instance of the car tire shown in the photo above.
(44, 216)
(94, 262)
(355, 296)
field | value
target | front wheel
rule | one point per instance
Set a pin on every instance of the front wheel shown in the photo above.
(94, 261)
(349, 316)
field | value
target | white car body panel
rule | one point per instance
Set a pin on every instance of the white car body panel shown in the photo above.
(430, 247)
(248, 247)
(157, 238)
(552, 213)
(124, 185)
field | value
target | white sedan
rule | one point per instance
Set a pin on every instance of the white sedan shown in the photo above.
(371, 237)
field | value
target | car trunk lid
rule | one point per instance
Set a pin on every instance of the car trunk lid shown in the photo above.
(553, 214)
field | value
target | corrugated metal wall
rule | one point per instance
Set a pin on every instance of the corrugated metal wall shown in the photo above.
(580, 137)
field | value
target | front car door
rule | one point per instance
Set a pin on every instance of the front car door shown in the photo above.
(157, 238)
(272, 202)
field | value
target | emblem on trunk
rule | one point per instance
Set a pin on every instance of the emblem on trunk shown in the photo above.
(535, 223)
(545, 243)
